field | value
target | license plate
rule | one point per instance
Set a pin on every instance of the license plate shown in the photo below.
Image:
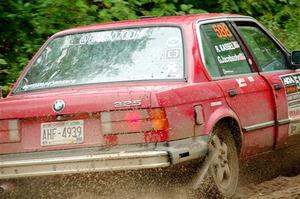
(66, 132)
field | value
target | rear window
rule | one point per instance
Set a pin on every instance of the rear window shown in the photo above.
(136, 54)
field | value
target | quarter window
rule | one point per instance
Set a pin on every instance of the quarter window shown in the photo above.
(223, 55)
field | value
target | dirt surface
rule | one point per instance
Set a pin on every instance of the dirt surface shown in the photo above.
(275, 175)
(280, 187)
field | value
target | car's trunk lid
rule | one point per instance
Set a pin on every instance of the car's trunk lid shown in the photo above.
(90, 112)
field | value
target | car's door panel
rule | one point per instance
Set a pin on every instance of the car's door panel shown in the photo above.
(272, 63)
(246, 92)
(280, 101)
(254, 106)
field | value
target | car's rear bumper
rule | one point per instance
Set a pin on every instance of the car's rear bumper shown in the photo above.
(99, 159)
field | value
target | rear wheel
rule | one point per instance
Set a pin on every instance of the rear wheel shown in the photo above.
(224, 169)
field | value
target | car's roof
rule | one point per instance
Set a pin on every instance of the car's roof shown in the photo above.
(176, 20)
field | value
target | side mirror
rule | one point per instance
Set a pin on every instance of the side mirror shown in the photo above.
(295, 59)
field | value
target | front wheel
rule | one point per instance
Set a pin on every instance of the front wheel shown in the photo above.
(224, 169)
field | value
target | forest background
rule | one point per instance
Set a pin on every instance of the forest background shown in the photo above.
(26, 24)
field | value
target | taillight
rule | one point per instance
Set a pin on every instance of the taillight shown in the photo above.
(9, 131)
(152, 123)
(158, 119)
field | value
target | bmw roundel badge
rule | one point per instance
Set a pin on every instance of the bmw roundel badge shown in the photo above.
(58, 105)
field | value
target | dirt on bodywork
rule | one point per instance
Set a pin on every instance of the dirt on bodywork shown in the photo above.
(275, 175)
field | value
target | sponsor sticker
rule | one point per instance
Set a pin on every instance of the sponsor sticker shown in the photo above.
(241, 82)
(251, 79)
(291, 84)
(173, 42)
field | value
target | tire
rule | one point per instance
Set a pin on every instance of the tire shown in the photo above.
(224, 169)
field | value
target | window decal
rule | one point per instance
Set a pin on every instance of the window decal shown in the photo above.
(221, 30)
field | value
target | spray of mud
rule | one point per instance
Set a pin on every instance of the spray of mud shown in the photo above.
(144, 184)
(275, 175)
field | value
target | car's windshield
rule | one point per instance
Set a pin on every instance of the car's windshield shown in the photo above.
(151, 53)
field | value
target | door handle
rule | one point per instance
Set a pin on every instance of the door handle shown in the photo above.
(232, 93)
(277, 86)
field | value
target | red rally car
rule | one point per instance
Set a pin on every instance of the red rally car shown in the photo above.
(152, 93)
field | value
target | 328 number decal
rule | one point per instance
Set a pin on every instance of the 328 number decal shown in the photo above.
(221, 30)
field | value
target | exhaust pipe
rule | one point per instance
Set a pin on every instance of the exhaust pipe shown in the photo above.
(6, 187)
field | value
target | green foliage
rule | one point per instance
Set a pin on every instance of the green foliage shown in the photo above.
(26, 24)
(282, 17)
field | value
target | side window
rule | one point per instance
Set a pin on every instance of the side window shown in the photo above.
(265, 52)
(223, 55)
